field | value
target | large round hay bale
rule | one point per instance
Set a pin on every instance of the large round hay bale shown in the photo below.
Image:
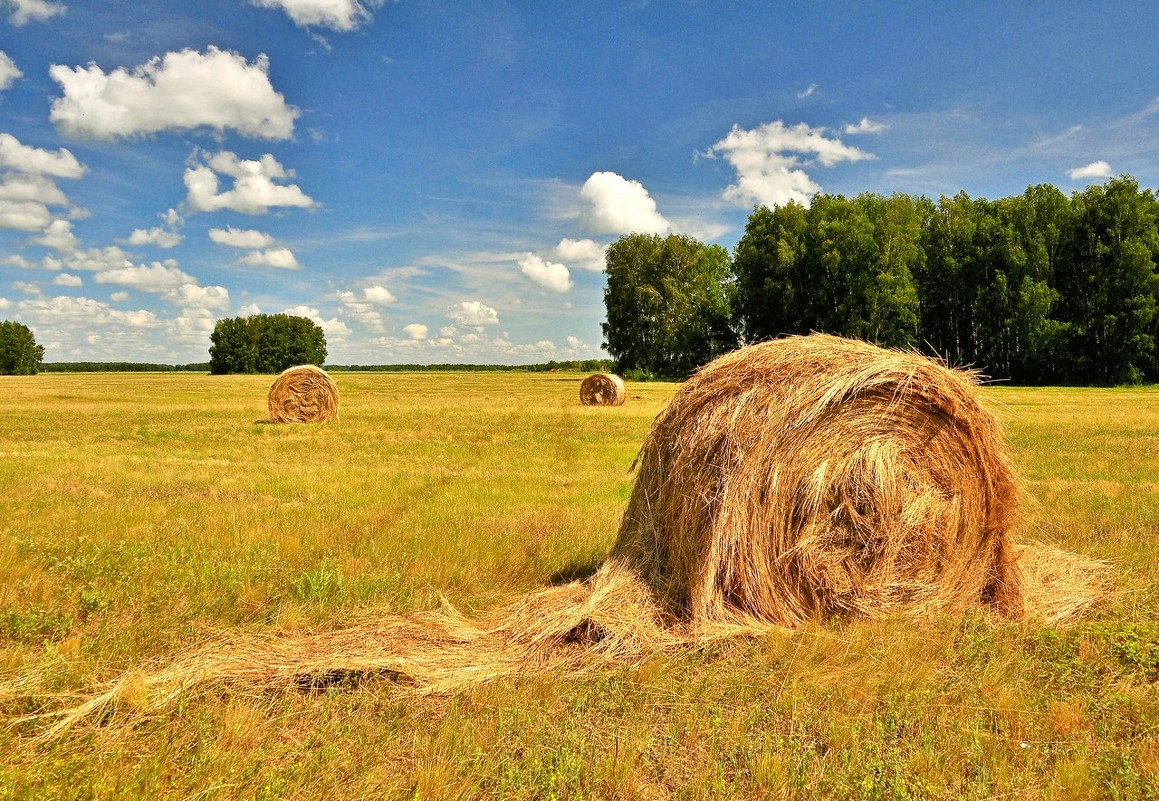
(303, 394)
(602, 389)
(817, 476)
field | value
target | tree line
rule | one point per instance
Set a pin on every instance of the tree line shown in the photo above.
(1039, 288)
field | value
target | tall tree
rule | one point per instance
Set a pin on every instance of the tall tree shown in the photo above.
(667, 304)
(19, 353)
(769, 263)
(1109, 285)
(889, 298)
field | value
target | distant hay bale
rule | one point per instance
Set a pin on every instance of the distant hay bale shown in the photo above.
(602, 389)
(303, 394)
(816, 476)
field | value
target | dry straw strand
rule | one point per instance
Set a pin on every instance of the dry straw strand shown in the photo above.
(794, 480)
(304, 394)
(602, 389)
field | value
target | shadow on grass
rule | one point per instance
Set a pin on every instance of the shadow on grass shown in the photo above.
(576, 570)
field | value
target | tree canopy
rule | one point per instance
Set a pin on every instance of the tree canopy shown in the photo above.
(1036, 288)
(265, 343)
(667, 304)
(19, 353)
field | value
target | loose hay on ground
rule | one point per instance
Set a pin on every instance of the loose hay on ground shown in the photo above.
(794, 480)
(303, 394)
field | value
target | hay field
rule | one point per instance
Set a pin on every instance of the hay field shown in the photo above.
(146, 513)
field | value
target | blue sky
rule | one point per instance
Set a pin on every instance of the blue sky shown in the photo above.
(436, 181)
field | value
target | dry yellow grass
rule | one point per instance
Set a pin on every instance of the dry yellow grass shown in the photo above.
(787, 482)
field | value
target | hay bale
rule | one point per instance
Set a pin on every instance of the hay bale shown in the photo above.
(816, 476)
(303, 394)
(602, 389)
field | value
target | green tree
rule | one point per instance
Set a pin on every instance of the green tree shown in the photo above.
(265, 343)
(19, 353)
(889, 298)
(769, 261)
(841, 266)
(1109, 285)
(667, 304)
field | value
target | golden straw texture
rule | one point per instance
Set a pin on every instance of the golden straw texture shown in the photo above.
(602, 389)
(812, 477)
(303, 394)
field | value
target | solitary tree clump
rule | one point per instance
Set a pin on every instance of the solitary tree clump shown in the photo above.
(265, 343)
(19, 353)
(667, 304)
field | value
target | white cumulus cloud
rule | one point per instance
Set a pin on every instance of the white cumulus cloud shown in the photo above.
(192, 296)
(361, 309)
(1096, 169)
(184, 90)
(582, 253)
(240, 238)
(31, 188)
(620, 206)
(58, 236)
(16, 260)
(865, 126)
(473, 314)
(156, 277)
(161, 237)
(25, 11)
(378, 294)
(333, 328)
(279, 258)
(92, 259)
(9, 72)
(254, 189)
(548, 274)
(415, 331)
(36, 161)
(337, 15)
(66, 311)
(65, 279)
(24, 215)
(769, 165)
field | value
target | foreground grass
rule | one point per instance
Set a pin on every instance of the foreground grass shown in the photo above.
(142, 513)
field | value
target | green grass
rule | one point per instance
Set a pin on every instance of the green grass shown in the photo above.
(141, 513)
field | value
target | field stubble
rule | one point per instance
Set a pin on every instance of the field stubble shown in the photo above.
(145, 513)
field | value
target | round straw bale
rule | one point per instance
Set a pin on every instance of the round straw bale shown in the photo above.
(602, 389)
(817, 476)
(303, 394)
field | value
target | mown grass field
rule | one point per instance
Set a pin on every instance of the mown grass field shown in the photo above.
(142, 513)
